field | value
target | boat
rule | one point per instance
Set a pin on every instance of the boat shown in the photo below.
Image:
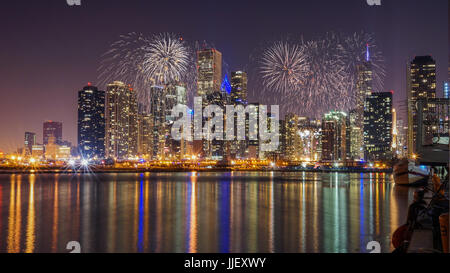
(407, 173)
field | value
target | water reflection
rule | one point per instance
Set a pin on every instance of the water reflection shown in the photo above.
(200, 212)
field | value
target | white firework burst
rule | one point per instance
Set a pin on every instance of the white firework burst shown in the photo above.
(143, 62)
(359, 48)
(283, 67)
(166, 59)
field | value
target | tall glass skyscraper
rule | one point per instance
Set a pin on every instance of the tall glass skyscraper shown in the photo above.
(334, 136)
(91, 122)
(378, 126)
(121, 121)
(209, 69)
(364, 87)
(421, 86)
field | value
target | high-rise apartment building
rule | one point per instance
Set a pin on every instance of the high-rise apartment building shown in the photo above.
(292, 140)
(334, 136)
(378, 126)
(91, 122)
(421, 86)
(121, 121)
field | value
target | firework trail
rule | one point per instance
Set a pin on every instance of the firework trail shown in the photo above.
(284, 67)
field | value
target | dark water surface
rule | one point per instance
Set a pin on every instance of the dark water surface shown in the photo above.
(200, 212)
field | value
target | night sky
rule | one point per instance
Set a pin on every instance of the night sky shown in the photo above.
(50, 50)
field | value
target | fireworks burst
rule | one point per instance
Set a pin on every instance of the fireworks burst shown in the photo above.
(359, 48)
(146, 61)
(318, 75)
(284, 67)
(166, 59)
(324, 87)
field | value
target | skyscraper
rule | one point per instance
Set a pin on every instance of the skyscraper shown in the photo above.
(216, 148)
(52, 129)
(421, 86)
(378, 126)
(364, 88)
(292, 140)
(145, 133)
(30, 140)
(91, 122)
(209, 69)
(334, 136)
(355, 135)
(253, 151)
(121, 121)
(174, 94)
(163, 146)
(237, 96)
(239, 87)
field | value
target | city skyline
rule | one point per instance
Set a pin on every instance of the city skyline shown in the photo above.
(39, 103)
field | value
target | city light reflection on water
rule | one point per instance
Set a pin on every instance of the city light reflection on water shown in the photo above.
(200, 212)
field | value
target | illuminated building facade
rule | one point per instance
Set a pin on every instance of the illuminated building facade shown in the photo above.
(30, 140)
(446, 90)
(216, 149)
(209, 69)
(292, 141)
(52, 129)
(421, 86)
(91, 122)
(354, 136)
(209, 85)
(364, 87)
(334, 136)
(37, 151)
(121, 121)
(162, 145)
(238, 96)
(239, 87)
(401, 150)
(378, 126)
(253, 151)
(174, 94)
(145, 127)
(51, 149)
(157, 113)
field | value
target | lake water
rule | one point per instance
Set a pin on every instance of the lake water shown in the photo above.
(200, 212)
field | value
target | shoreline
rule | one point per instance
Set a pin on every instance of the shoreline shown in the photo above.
(182, 170)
